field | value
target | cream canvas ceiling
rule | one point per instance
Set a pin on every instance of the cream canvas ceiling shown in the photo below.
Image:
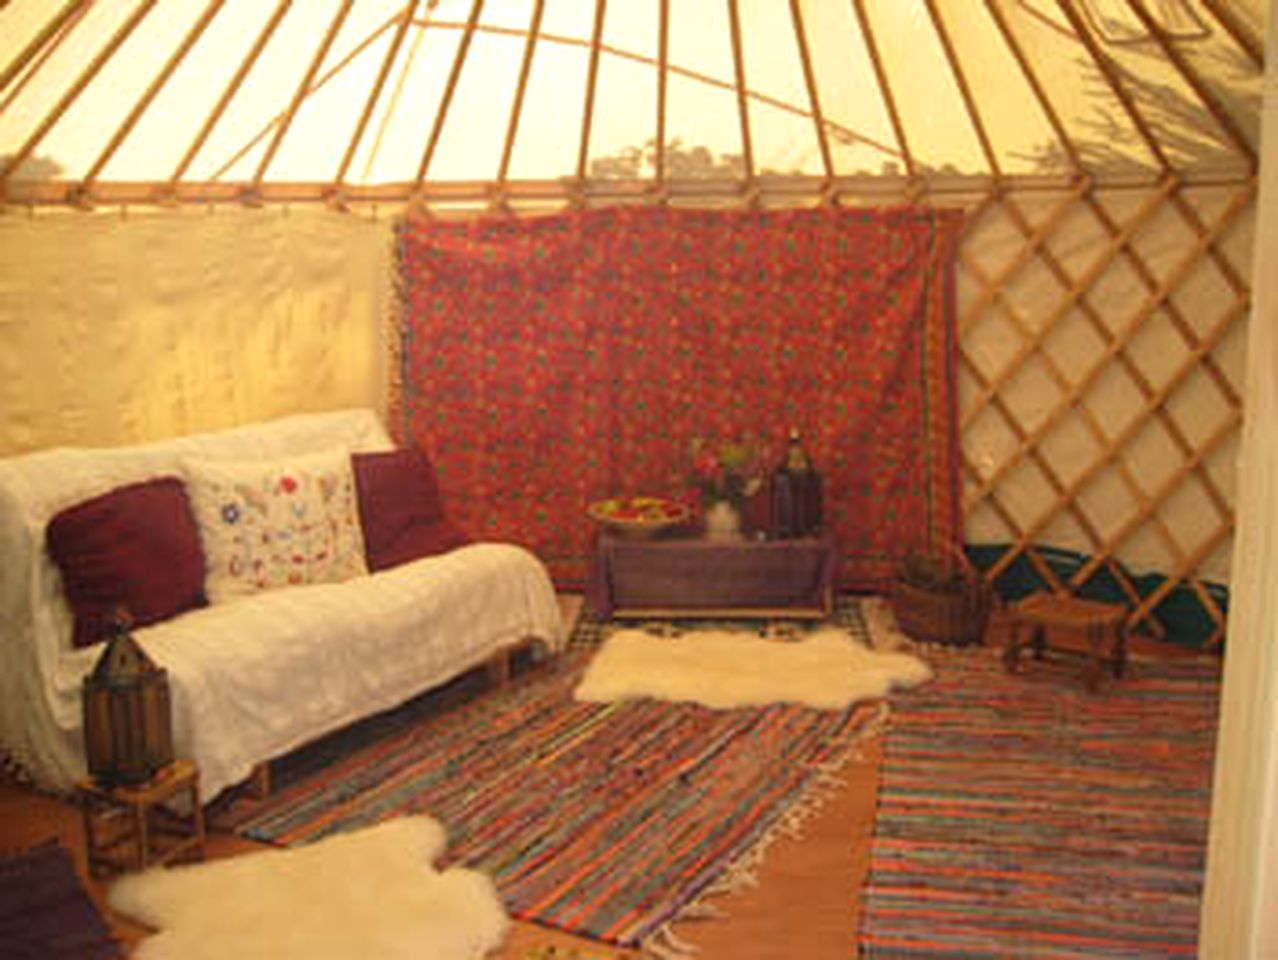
(203, 99)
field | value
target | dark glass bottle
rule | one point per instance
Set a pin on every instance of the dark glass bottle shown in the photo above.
(796, 493)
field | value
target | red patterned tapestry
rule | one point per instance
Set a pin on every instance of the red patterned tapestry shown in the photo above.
(548, 362)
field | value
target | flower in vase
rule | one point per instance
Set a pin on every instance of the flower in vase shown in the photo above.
(725, 470)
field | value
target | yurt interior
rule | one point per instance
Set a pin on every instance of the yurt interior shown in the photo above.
(881, 391)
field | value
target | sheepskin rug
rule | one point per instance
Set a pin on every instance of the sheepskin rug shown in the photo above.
(725, 669)
(368, 893)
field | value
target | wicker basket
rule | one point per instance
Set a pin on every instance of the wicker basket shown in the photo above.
(957, 614)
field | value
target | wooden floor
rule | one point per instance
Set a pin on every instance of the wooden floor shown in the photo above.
(804, 905)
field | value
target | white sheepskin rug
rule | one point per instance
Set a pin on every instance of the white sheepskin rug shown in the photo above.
(724, 669)
(369, 893)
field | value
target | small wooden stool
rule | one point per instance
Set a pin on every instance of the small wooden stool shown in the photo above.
(1101, 625)
(133, 827)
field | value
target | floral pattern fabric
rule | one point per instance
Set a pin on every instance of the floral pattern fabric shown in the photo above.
(548, 362)
(265, 525)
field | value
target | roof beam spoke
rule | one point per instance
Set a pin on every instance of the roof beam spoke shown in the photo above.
(1195, 83)
(454, 75)
(152, 91)
(885, 88)
(1241, 35)
(809, 80)
(375, 93)
(592, 79)
(1112, 80)
(228, 94)
(122, 33)
(965, 90)
(738, 73)
(303, 89)
(663, 85)
(521, 88)
(1036, 85)
(47, 39)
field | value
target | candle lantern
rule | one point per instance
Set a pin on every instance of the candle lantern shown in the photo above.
(797, 509)
(128, 732)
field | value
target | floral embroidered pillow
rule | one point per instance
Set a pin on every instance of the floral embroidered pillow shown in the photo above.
(270, 524)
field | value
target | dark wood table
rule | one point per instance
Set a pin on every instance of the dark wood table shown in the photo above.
(684, 576)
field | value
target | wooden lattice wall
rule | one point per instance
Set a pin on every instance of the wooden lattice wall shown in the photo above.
(1101, 363)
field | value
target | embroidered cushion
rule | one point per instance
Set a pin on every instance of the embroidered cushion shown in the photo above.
(135, 547)
(269, 524)
(400, 510)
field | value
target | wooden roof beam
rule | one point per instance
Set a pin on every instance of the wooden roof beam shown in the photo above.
(125, 128)
(303, 90)
(228, 94)
(592, 77)
(72, 94)
(885, 88)
(1036, 85)
(965, 90)
(47, 33)
(809, 80)
(673, 69)
(663, 86)
(1241, 35)
(454, 75)
(1187, 73)
(738, 72)
(375, 94)
(521, 89)
(1106, 67)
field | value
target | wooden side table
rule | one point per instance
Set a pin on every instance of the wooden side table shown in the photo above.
(133, 827)
(1100, 625)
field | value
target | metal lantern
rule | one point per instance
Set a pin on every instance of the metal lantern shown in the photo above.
(128, 729)
(796, 494)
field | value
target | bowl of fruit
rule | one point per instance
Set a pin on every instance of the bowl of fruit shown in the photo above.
(638, 516)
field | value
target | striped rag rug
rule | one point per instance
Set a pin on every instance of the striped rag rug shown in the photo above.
(603, 820)
(1020, 816)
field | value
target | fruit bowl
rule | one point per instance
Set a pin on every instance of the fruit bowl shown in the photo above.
(638, 516)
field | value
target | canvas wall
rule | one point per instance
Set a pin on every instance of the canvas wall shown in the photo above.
(121, 327)
(1102, 333)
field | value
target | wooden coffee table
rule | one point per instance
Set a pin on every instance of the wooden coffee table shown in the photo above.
(695, 577)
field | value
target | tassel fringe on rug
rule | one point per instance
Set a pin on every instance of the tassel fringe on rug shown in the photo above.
(611, 821)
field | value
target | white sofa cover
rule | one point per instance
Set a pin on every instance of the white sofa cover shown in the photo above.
(256, 677)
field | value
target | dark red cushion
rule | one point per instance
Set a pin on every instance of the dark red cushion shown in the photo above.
(400, 512)
(135, 547)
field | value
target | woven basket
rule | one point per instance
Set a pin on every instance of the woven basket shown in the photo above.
(953, 616)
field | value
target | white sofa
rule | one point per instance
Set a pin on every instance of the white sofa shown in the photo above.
(258, 676)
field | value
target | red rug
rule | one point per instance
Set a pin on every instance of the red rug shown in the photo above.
(1021, 816)
(548, 362)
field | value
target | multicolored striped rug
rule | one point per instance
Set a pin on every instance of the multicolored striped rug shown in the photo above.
(604, 820)
(1020, 816)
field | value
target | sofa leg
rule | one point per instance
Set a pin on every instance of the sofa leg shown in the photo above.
(498, 668)
(259, 781)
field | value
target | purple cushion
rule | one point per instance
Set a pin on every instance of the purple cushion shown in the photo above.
(400, 510)
(136, 547)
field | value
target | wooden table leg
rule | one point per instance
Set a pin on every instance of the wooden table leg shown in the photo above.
(1095, 667)
(1119, 660)
(141, 835)
(1012, 652)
